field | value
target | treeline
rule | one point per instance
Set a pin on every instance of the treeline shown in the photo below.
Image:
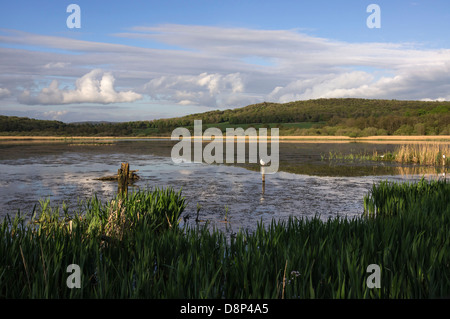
(350, 117)
(12, 125)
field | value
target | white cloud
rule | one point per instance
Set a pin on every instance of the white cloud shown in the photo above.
(4, 93)
(218, 67)
(203, 89)
(55, 115)
(56, 65)
(307, 67)
(421, 82)
(94, 87)
(326, 86)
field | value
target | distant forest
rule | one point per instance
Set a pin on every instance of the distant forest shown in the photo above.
(339, 117)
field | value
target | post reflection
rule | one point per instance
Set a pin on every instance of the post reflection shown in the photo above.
(263, 174)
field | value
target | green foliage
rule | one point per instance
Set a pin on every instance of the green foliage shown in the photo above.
(350, 117)
(295, 258)
(361, 156)
(160, 208)
(431, 154)
(392, 199)
(405, 129)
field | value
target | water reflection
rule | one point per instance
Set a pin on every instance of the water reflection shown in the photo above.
(263, 178)
(304, 186)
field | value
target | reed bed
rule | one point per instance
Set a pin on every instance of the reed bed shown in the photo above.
(423, 197)
(424, 154)
(361, 156)
(149, 257)
(435, 154)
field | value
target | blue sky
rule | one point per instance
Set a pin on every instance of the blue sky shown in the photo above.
(134, 60)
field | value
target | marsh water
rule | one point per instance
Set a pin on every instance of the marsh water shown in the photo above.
(306, 184)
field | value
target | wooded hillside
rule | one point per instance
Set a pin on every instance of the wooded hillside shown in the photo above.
(350, 117)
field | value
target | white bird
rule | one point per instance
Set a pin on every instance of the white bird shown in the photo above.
(262, 162)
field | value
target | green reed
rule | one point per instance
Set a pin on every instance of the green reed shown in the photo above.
(389, 198)
(431, 154)
(361, 156)
(149, 256)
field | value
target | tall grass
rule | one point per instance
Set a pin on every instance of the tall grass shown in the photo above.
(161, 208)
(391, 199)
(425, 154)
(295, 258)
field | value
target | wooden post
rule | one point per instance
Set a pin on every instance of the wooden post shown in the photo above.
(122, 175)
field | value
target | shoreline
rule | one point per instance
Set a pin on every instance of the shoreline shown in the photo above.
(285, 138)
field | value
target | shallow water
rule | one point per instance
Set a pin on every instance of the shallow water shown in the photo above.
(305, 185)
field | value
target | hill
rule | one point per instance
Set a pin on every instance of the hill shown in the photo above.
(349, 117)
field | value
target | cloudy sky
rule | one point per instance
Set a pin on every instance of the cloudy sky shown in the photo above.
(141, 60)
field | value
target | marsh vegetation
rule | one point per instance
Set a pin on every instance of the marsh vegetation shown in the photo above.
(305, 237)
(434, 154)
(134, 248)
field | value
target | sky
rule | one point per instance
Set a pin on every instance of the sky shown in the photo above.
(144, 60)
